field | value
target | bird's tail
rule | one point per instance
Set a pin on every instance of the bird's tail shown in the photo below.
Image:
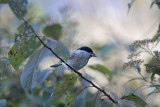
(56, 65)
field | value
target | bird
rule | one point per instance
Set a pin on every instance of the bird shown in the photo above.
(78, 58)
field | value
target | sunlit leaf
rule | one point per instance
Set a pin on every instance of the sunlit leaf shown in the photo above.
(130, 4)
(3, 1)
(102, 69)
(53, 31)
(19, 7)
(29, 74)
(136, 99)
(3, 102)
(25, 45)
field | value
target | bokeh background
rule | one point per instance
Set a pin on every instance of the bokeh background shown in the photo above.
(104, 25)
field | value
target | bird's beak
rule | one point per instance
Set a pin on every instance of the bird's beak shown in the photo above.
(93, 55)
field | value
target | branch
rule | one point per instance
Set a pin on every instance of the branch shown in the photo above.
(80, 75)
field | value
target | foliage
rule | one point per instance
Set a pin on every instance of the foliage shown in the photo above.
(19, 7)
(26, 49)
(3, 1)
(25, 40)
(53, 31)
(134, 98)
(55, 87)
(152, 67)
(102, 69)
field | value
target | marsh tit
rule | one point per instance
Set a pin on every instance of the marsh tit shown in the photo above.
(78, 58)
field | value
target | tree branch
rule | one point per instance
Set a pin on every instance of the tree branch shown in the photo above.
(80, 75)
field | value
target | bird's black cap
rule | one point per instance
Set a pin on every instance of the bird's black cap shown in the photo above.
(85, 48)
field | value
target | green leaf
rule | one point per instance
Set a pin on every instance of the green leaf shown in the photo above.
(25, 45)
(102, 69)
(69, 99)
(60, 104)
(156, 70)
(152, 76)
(53, 31)
(147, 65)
(12, 105)
(29, 74)
(134, 98)
(3, 1)
(93, 100)
(66, 85)
(19, 7)
(134, 79)
(3, 102)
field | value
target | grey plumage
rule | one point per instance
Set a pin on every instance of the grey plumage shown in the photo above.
(78, 59)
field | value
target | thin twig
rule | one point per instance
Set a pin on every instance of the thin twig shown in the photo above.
(80, 75)
(146, 51)
(148, 81)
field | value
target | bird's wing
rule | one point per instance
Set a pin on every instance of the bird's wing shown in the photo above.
(56, 65)
(72, 55)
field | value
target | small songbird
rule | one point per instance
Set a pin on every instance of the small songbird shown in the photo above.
(78, 58)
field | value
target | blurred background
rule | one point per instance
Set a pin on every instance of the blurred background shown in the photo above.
(104, 25)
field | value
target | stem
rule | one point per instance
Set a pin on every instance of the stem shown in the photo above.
(148, 81)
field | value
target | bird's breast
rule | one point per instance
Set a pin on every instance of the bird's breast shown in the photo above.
(78, 63)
